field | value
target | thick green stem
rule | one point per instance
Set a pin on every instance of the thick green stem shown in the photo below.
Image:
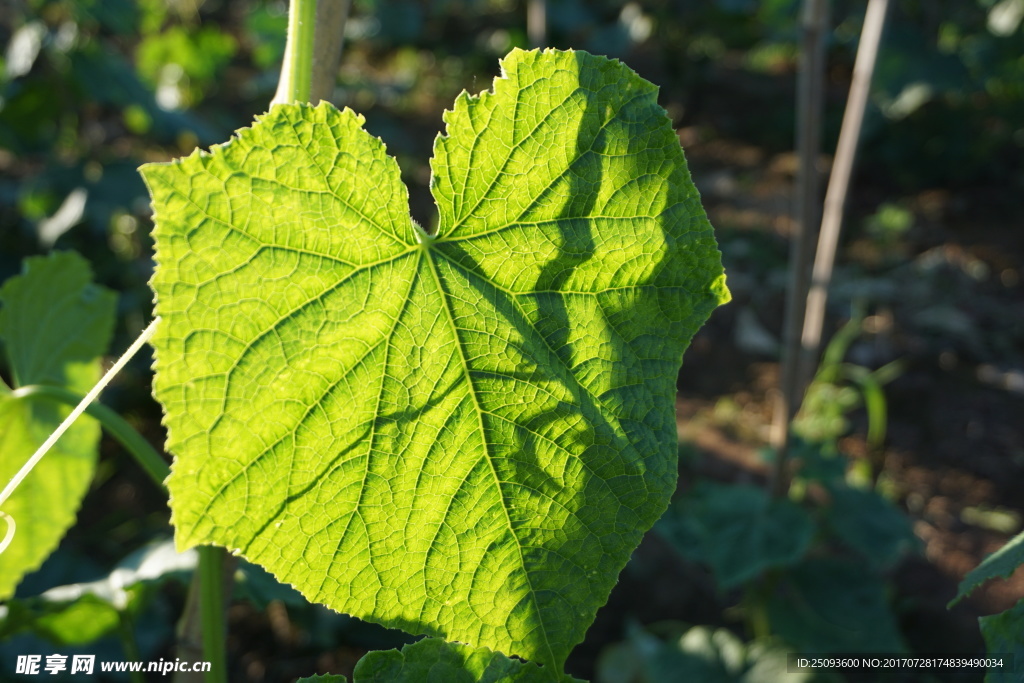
(116, 426)
(211, 606)
(297, 70)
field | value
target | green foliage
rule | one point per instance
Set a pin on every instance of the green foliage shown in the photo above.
(831, 605)
(462, 433)
(80, 613)
(323, 678)
(869, 524)
(839, 387)
(185, 59)
(862, 519)
(934, 76)
(738, 530)
(1004, 634)
(433, 660)
(1003, 631)
(699, 654)
(79, 622)
(84, 612)
(1000, 564)
(889, 223)
(811, 571)
(60, 347)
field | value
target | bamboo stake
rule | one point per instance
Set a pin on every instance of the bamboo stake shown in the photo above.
(536, 22)
(839, 185)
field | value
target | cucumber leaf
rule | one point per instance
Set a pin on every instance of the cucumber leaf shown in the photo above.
(54, 325)
(462, 433)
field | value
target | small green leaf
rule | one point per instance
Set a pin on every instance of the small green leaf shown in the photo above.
(1004, 635)
(1000, 564)
(433, 660)
(323, 678)
(462, 434)
(738, 530)
(82, 620)
(54, 324)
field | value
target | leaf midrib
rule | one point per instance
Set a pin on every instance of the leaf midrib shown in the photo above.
(442, 292)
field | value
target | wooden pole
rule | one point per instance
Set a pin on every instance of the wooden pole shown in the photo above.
(839, 185)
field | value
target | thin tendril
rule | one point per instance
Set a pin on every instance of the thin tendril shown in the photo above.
(68, 421)
(9, 536)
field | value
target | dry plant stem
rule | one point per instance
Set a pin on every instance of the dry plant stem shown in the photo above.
(537, 23)
(331, 17)
(810, 96)
(839, 183)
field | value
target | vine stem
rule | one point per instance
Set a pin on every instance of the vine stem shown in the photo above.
(331, 17)
(212, 568)
(77, 412)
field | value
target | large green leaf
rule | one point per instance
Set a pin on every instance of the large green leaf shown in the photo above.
(54, 325)
(462, 434)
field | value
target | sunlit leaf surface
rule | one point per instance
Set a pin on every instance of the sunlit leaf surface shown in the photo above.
(462, 434)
